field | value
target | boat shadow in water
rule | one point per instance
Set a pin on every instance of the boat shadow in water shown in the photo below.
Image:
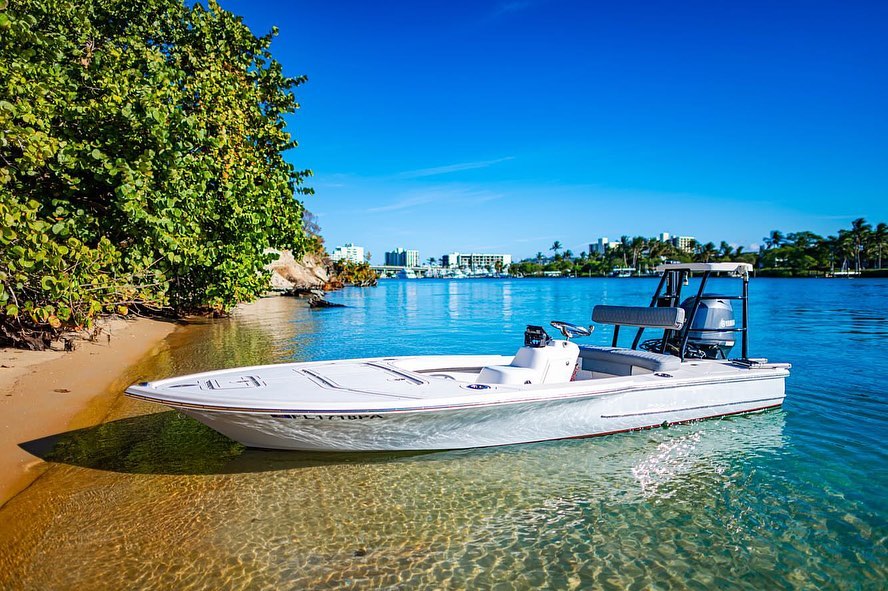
(171, 443)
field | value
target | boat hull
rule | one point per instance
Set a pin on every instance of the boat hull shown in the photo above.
(468, 426)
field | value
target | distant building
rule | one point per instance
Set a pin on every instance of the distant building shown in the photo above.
(602, 246)
(664, 237)
(475, 260)
(349, 252)
(402, 258)
(684, 243)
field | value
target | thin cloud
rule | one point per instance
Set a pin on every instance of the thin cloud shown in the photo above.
(448, 195)
(424, 172)
(510, 7)
(535, 238)
(403, 204)
(850, 216)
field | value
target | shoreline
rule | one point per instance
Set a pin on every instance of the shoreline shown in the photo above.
(44, 393)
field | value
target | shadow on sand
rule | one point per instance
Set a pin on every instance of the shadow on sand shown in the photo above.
(171, 443)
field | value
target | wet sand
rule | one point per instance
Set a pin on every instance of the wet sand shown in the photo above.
(44, 393)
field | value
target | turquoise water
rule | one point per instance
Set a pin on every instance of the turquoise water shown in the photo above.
(793, 498)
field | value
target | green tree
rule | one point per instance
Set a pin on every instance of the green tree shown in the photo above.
(705, 252)
(624, 247)
(880, 241)
(141, 160)
(859, 235)
(774, 240)
(637, 245)
(556, 246)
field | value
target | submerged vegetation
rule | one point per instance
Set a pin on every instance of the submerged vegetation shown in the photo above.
(141, 162)
(861, 249)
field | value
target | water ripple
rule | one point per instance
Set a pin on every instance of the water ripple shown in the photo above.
(779, 500)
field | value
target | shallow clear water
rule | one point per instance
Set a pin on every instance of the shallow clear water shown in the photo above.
(793, 498)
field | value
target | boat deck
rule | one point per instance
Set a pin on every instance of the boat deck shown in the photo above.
(405, 383)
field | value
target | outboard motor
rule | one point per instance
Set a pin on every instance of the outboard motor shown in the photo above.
(713, 313)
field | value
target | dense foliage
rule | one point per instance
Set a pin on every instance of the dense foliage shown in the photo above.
(141, 161)
(860, 249)
(351, 273)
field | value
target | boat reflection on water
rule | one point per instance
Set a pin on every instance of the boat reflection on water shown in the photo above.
(641, 463)
(587, 509)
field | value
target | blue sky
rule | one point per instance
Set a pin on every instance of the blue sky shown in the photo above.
(503, 126)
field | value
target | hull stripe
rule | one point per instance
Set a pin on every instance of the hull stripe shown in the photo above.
(665, 411)
(659, 425)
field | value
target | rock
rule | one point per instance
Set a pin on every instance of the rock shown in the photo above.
(312, 271)
(278, 283)
(318, 301)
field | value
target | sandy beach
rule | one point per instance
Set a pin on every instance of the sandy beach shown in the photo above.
(44, 393)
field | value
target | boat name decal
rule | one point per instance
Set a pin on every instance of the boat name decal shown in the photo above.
(328, 417)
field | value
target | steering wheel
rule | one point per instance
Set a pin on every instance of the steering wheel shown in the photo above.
(571, 330)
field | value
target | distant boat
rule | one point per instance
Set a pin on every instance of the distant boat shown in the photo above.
(844, 272)
(405, 273)
(622, 271)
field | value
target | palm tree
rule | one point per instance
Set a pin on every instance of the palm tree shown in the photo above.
(860, 233)
(843, 246)
(880, 240)
(803, 240)
(660, 249)
(774, 240)
(431, 261)
(556, 246)
(706, 252)
(638, 244)
(725, 250)
(539, 258)
(568, 254)
(624, 248)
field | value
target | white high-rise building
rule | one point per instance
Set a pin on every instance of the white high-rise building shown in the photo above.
(402, 258)
(348, 252)
(476, 261)
(600, 247)
(683, 243)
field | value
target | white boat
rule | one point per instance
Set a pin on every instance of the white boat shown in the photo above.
(622, 272)
(550, 389)
(405, 273)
